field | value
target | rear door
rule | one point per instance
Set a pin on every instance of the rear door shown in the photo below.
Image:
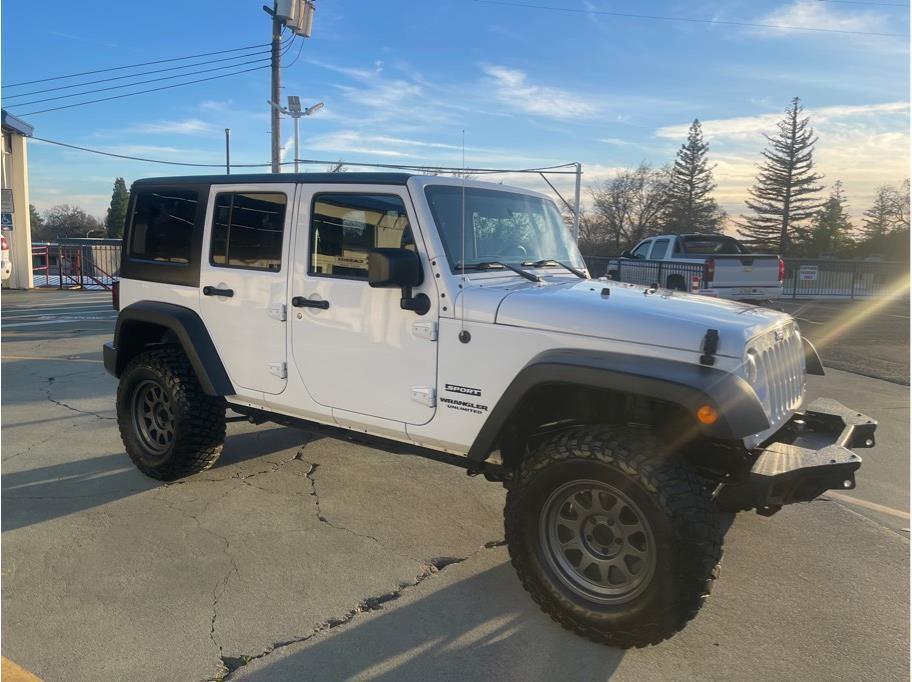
(243, 281)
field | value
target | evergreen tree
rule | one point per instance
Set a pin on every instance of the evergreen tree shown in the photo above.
(690, 207)
(35, 220)
(830, 233)
(784, 194)
(117, 213)
(878, 220)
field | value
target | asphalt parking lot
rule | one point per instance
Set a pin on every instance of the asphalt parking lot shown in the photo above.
(302, 556)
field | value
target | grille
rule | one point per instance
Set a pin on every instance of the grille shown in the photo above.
(781, 363)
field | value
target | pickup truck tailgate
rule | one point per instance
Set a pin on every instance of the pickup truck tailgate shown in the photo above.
(745, 271)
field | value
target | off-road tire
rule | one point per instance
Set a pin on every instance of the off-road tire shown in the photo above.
(198, 419)
(675, 503)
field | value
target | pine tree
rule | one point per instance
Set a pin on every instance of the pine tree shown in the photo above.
(784, 194)
(35, 220)
(691, 208)
(830, 233)
(879, 219)
(117, 213)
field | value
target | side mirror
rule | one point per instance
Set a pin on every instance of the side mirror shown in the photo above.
(398, 268)
(393, 268)
(626, 254)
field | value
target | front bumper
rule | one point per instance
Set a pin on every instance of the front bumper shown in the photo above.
(810, 454)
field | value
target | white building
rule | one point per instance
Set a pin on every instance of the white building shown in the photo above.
(15, 179)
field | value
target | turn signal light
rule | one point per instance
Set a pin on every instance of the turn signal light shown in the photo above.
(707, 415)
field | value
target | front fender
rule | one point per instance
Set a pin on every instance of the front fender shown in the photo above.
(688, 385)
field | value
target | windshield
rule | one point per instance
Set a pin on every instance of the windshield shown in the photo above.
(712, 245)
(499, 226)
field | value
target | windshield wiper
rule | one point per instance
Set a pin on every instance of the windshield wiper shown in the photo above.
(551, 261)
(488, 265)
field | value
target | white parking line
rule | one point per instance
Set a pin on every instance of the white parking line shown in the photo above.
(867, 505)
(59, 321)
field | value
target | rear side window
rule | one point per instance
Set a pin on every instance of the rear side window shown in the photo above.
(344, 227)
(247, 230)
(659, 248)
(163, 225)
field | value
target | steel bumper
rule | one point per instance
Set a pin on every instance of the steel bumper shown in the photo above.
(810, 454)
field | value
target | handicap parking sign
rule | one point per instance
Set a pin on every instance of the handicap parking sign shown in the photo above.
(6, 221)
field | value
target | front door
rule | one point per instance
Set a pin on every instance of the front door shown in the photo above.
(353, 345)
(243, 281)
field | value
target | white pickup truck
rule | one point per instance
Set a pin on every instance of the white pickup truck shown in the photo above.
(711, 264)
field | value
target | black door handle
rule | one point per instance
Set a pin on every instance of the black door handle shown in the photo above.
(301, 302)
(214, 291)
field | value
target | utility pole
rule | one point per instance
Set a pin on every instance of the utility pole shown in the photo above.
(274, 90)
(298, 16)
(228, 151)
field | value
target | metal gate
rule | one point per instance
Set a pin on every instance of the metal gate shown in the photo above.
(77, 263)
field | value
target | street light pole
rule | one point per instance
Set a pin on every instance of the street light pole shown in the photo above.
(228, 151)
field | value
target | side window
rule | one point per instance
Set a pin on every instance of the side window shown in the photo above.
(659, 248)
(678, 251)
(163, 225)
(247, 229)
(642, 250)
(344, 226)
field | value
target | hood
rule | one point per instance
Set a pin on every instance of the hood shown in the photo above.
(625, 312)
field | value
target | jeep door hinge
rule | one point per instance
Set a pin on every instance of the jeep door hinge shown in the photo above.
(277, 312)
(425, 330)
(279, 369)
(425, 395)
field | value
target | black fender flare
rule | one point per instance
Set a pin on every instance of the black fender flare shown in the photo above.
(689, 385)
(190, 332)
(812, 361)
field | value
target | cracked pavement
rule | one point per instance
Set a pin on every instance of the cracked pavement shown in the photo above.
(304, 556)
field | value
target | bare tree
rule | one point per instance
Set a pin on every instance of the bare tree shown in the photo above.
(628, 207)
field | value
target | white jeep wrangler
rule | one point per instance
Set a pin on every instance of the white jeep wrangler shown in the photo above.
(458, 317)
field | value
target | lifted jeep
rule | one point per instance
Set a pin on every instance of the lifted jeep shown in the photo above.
(459, 317)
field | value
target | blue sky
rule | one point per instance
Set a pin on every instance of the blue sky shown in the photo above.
(402, 79)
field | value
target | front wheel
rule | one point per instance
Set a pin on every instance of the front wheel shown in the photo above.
(612, 537)
(169, 426)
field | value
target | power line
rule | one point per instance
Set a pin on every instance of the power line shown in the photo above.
(139, 158)
(865, 2)
(150, 80)
(693, 20)
(142, 92)
(135, 75)
(297, 56)
(131, 66)
(549, 169)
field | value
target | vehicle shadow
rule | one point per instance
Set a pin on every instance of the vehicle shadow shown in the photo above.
(43, 493)
(466, 630)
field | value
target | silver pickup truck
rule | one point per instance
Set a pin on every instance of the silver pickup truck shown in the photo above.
(711, 264)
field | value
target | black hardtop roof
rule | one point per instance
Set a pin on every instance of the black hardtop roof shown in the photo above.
(264, 178)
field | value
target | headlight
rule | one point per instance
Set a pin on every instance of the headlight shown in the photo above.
(750, 367)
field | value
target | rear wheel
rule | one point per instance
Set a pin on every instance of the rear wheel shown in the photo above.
(613, 538)
(169, 426)
(676, 283)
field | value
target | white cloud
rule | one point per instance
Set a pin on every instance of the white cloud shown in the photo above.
(512, 87)
(812, 14)
(749, 127)
(190, 126)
